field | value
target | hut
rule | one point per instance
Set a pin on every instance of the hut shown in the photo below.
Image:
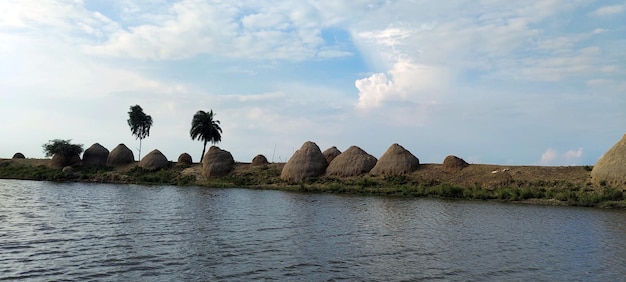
(396, 160)
(153, 161)
(19, 156)
(259, 160)
(611, 167)
(331, 153)
(217, 162)
(352, 162)
(95, 155)
(453, 163)
(184, 160)
(306, 162)
(60, 160)
(120, 155)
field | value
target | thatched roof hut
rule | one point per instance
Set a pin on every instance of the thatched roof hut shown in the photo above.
(120, 155)
(454, 163)
(60, 160)
(184, 160)
(396, 160)
(217, 162)
(352, 162)
(306, 162)
(153, 161)
(611, 168)
(259, 160)
(331, 153)
(95, 155)
(19, 156)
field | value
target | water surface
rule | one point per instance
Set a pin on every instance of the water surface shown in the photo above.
(51, 231)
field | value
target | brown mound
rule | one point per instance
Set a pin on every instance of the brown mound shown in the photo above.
(153, 161)
(453, 163)
(19, 156)
(95, 155)
(120, 155)
(61, 161)
(352, 162)
(259, 160)
(217, 162)
(306, 162)
(611, 168)
(331, 153)
(185, 159)
(396, 160)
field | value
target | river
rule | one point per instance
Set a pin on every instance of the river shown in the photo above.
(82, 232)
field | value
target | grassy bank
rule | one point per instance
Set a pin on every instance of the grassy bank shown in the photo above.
(524, 184)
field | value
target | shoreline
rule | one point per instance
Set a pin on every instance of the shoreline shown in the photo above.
(544, 185)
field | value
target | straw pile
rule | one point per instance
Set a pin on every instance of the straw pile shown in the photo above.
(153, 161)
(352, 162)
(453, 163)
(259, 160)
(611, 168)
(61, 160)
(331, 153)
(306, 162)
(184, 160)
(19, 156)
(120, 155)
(95, 155)
(396, 160)
(217, 162)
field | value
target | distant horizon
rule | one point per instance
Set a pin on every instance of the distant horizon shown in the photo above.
(511, 83)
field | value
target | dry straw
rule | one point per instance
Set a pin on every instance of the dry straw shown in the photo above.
(396, 160)
(184, 160)
(352, 162)
(95, 155)
(331, 153)
(611, 168)
(153, 161)
(217, 162)
(120, 155)
(454, 163)
(306, 162)
(259, 160)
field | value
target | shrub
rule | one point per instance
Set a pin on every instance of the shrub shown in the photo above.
(63, 147)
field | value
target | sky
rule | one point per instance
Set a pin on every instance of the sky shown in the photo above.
(497, 82)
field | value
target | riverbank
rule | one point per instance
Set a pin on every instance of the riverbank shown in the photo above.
(570, 185)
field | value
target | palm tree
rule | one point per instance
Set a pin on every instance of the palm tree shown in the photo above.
(139, 123)
(205, 128)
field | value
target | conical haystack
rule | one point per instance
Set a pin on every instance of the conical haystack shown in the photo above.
(259, 160)
(453, 163)
(184, 160)
(306, 162)
(120, 155)
(331, 153)
(95, 155)
(396, 160)
(352, 162)
(61, 161)
(217, 162)
(611, 168)
(19, 156)
(153, 160)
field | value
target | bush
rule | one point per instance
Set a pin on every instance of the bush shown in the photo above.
(63, 147)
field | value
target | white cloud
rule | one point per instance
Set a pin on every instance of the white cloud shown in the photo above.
(548, 157)
(570, 157)
(609, 10)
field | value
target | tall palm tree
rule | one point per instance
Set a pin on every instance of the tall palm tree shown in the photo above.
(205, 128)
(139, 123)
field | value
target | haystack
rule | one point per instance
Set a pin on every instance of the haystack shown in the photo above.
(19, 156)
(120, 155)
(217, 162)
(153, 161)
(352, 162)
(61, 160)
(331, 153)
(306, 162)
(396, 160)
(95, 155)
(184, 160)
(259, 160)
(453, 163)
(611, 168)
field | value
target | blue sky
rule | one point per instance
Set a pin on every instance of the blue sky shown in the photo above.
(524, 82)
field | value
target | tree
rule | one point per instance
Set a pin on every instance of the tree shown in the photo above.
(204, 127)
(139, 123)
(63, 152)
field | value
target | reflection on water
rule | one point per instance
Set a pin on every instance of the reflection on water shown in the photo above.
(54, 231)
